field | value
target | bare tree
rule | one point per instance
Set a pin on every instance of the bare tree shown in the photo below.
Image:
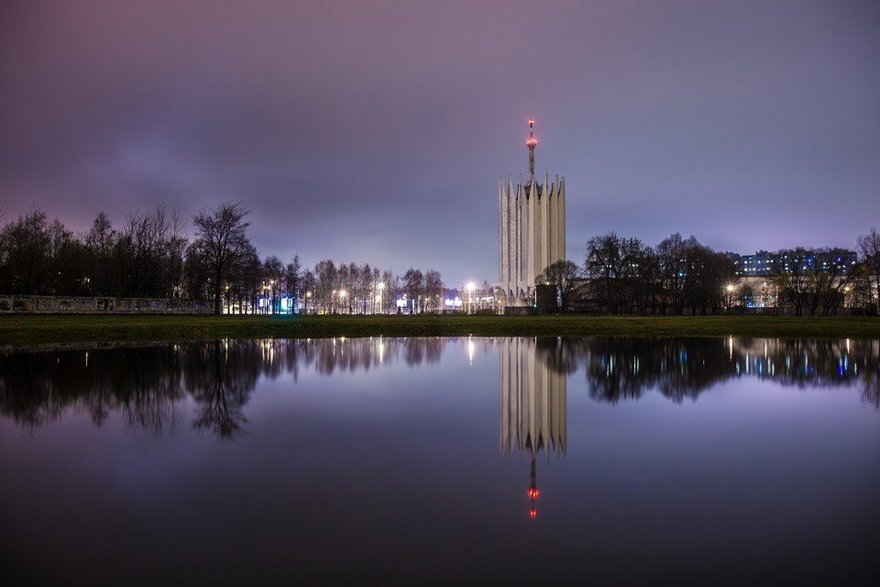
(413, 286)
(308, 285)
(293, 279)
(562, 275)
(221, 236)
(273, 275)
(433, 290)
(869, 247)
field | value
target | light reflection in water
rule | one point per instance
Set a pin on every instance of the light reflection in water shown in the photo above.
(142, 383)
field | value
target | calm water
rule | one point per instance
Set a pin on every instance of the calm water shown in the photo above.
(678, 461)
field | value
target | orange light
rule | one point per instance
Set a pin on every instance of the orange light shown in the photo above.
(533, 493)
(533, 513)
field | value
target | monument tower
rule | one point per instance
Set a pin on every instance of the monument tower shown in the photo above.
(531, 229)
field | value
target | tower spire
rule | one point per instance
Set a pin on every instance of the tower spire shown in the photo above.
(530, 143)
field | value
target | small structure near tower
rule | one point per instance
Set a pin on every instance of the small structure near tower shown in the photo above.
(531, 229)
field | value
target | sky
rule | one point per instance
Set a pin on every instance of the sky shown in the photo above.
(377, 132)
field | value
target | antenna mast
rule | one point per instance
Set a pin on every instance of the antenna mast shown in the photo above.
(531, 142)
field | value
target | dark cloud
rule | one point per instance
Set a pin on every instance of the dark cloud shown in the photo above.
(377, 131)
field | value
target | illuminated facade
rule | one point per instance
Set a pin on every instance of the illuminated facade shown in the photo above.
(765, 263)
(532, 406)
(531, 229)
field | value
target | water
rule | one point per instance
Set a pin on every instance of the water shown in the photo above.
(703, 461)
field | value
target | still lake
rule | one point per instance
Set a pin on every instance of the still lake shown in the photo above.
(574, 460)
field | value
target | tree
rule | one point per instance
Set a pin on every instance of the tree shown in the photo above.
(100, 240)
(325, 284)
(308, 285)
(604, 264)
(293, 280)
(273, 276)
(620, 269)
(869, 247)
(433, 290)
(791, 279)
(174, 250)
(27, 243)
(390, 292)
(680, 262)
(562, 275)
(413, 287)
(221, 236)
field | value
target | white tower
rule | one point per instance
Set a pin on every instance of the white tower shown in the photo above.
(531, 229)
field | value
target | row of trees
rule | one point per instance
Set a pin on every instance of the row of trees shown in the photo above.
(680, 275)
(143, 258)
(151, 256)
(363, 289)
(624, 276)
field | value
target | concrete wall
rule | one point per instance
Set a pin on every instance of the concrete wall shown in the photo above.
(76, 305)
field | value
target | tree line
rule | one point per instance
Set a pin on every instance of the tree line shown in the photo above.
(622, 275)
(150, 255)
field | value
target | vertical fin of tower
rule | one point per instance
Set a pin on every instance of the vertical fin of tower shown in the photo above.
(560, 231)
(502, 232)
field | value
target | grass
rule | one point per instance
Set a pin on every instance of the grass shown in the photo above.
(37, 329)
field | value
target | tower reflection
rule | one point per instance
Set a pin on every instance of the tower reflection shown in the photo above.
(532, 403)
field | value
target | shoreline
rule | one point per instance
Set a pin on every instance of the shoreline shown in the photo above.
(16, 330)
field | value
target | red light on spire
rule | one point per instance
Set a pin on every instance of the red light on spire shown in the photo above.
(533, 493)
(531, 141)
(533, 513)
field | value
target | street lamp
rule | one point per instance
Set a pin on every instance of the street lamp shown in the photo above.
(471, 286)
(728, 299)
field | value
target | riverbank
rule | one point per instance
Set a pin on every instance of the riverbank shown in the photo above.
(32, 329)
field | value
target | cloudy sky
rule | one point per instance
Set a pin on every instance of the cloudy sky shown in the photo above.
(377, 131)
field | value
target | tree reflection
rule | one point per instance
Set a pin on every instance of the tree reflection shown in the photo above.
(220, 378)
(144, 384)
(626, 368)
(149, 387)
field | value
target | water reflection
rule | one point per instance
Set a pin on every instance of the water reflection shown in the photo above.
(627, 368)
(147, 385)
(533, 402)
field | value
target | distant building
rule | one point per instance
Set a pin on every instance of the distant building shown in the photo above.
(531, 232)
(764, 263)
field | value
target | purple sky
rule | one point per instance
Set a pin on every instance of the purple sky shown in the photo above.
(377, 131)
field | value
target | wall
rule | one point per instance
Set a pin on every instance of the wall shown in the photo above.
(75, 305)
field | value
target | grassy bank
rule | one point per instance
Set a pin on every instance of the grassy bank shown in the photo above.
(62, 329)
